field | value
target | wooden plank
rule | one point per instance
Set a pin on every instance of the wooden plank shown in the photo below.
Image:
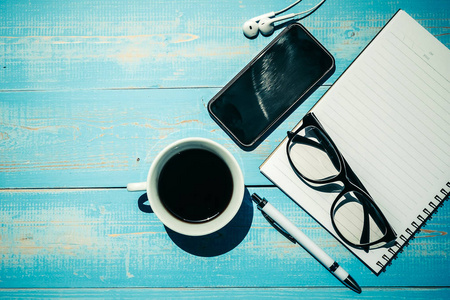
(228, 293)
(109, 138)
(156, 44)
(100, 238)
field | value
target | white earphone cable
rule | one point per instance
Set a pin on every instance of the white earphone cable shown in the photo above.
(265, 23)
(287, 8)
(311, 9)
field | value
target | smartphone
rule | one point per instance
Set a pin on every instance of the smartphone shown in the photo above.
(271, 86)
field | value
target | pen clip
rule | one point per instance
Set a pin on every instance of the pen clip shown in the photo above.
(278, 228)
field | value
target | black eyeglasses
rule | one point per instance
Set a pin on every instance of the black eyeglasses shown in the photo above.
(354, 215)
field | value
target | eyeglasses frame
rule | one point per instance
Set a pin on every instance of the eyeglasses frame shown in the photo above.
(344, 176)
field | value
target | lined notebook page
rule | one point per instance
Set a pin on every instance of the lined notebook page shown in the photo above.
(389, 116)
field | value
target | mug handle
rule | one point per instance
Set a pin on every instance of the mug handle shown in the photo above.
(137, 186)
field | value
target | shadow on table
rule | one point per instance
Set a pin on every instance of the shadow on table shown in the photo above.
(216, 243)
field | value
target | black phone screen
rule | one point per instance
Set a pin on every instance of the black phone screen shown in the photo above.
(272, 83)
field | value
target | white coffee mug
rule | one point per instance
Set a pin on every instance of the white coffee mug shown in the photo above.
(168, 219)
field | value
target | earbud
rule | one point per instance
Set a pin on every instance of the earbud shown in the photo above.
(250, 28)
(266, 26)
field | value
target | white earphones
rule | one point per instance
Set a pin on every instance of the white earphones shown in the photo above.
(250, 27)
(265, 23)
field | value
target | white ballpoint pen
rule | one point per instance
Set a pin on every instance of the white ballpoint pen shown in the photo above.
(283, 224)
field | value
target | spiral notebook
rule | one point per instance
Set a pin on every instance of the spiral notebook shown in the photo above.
(388, 114)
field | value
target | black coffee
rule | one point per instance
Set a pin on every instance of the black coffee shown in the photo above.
(195, 185)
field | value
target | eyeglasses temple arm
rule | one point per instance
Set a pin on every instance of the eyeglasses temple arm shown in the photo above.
(299, 139)
(305, 141)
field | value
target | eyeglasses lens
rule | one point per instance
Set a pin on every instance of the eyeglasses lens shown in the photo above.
(313, 155)
(358, 220)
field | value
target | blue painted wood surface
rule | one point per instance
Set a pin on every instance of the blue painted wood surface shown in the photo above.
(91, 91)
(101, 238)
(108, 138)
(229, 293)
(157, 44)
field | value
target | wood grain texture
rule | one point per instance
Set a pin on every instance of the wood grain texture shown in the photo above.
(100, 238)
(91, 91)
(156, 44)
(228, 293)
(109, 138)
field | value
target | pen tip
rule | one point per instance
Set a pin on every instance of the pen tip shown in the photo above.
(256, 198)
(352, 284)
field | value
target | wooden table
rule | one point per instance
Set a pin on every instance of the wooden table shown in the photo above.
(91, 91)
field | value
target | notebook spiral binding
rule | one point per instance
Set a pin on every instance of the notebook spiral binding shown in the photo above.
(415, 227)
